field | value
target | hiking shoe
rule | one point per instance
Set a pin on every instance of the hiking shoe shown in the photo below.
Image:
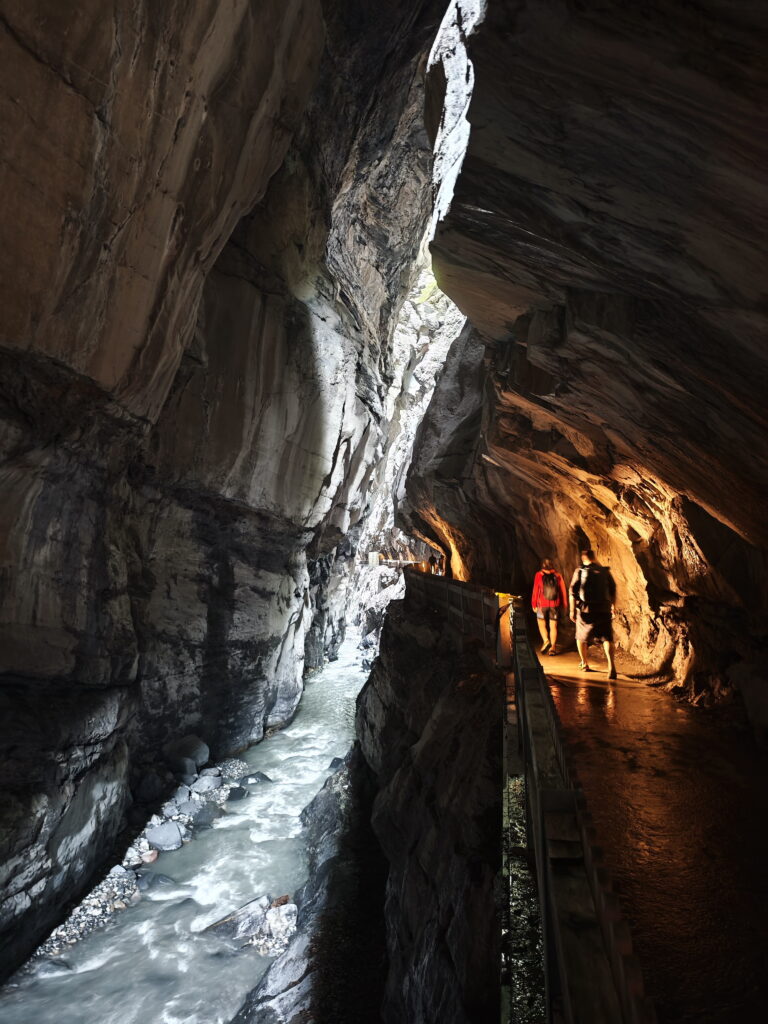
(584, 668)
(545, 647)
(554, 650)
(612, 674)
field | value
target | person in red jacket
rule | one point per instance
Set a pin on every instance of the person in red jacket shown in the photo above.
(548, 600)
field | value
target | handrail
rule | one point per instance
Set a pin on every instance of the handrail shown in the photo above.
(591, 974)
(476, 612)
(590, 970)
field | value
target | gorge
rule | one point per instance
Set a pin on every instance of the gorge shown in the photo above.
(227, 375)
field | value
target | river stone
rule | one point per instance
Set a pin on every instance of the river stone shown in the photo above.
(337, 762)
(205, 815)
(183, 765)
(206, 783)
(149, 879)
(245, 922)
(253, 778)
(132, 858)
(210, 772)
(281, 921)
(182, 793)
(190, 807)
(164, 837)
(191, 747)
(237, 793)
(188, 780)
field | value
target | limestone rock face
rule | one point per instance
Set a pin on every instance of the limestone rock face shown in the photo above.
(429, 722)
(210, 215)
(605, 242)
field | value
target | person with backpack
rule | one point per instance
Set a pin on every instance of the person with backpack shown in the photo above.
(547, 600)
(593, 593)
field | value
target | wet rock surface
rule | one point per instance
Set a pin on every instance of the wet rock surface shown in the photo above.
(333, 968)
(670, 787)
(603, 241)
(428, 723)
(194, 360)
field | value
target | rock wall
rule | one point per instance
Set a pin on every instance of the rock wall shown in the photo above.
(605, 242)
(429, 725)
(210, 218)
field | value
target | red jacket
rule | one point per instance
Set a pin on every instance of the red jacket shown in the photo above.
(539, 601)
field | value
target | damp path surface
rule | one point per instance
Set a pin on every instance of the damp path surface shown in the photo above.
(679, 798)
(153, 962)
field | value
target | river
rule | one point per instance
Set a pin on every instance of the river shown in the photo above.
(153, 961)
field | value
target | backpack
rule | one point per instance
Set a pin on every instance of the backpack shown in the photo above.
(593, 586)
(549, 584)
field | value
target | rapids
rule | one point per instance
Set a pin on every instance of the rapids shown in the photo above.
(154, 961)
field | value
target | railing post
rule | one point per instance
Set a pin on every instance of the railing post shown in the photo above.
(504, 632)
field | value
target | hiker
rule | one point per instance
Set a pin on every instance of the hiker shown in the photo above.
(592, 593)
(547, 600)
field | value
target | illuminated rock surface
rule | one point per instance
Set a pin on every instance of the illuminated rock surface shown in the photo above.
(605, 240)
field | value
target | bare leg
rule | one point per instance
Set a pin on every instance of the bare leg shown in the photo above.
(608, 648)
(581, 647)
(543, 630)
(553, 624)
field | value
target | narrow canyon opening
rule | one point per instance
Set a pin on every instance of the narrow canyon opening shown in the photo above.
(323, 325)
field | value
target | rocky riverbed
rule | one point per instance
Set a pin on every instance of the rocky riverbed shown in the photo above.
(203, 922)
(195, 803)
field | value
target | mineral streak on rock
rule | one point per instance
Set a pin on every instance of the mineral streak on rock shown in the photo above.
(429, 722)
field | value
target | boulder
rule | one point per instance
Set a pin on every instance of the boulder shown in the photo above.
(132, 858)
(191, 747)
(164, 837)
(281, 922)
(183, 765)
(244, 923)
(253, 778)
(206, 784)
(205, 815)
(118, 871)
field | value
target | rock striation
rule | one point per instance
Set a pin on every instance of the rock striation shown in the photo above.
(605, 242)
(211, 215)
(429, 726)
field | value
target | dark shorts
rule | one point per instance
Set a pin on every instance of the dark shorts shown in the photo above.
(594, 625)
(548, 614)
